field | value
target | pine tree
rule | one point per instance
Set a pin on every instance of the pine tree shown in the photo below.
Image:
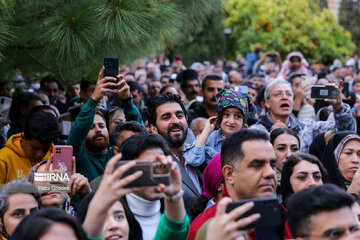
(69, 38)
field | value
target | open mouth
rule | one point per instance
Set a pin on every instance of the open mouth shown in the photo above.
(113, 237)
(285, 106)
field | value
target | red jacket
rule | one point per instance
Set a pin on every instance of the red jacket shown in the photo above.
(211, 212)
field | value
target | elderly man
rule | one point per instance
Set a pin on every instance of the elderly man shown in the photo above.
(279, 101)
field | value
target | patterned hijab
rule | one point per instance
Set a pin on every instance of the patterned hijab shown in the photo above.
(230, 98)
(67, 204)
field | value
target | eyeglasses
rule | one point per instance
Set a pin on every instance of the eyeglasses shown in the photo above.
(336, 233)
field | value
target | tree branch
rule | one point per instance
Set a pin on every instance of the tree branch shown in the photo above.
(36, 60)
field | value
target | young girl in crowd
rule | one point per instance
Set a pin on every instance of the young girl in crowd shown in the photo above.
(233, 109)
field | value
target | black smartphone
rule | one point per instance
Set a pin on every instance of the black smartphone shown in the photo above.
(324, 92)
(268, 208)
(345, 89)
(111, 67)
(272, 56)
(154, 173)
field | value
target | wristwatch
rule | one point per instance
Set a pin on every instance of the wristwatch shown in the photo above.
(127, 100)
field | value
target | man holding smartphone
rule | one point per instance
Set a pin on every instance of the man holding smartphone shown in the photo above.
(279, 100)
(248, 166)
(89, 135)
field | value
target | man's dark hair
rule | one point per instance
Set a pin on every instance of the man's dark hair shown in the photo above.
(311, 201)
(48, 79)
(41, 126)
(22, 101)
(163, 98)
(132, 126)
(129, 73)
(249, 85)
(211, 76)
(85, 84)
(36, 225)
(134, 86)
(185, 76)
(231, 149)
(44, 108)
(132, 147)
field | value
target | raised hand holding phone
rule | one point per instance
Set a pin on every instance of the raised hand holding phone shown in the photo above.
(104, 85)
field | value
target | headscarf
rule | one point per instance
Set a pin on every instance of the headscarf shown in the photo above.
(319, 143)
(212, 177)
(67, 204)
(230, 98)
(285, 69)
(331, 156)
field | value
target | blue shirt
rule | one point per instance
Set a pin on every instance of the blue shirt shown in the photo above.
(195, 156)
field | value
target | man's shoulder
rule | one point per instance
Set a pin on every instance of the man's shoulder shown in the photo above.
(199, 111)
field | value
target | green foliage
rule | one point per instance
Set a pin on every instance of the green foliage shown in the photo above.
(69, 38)
(349, 17)
(207, 44)
(285, 26)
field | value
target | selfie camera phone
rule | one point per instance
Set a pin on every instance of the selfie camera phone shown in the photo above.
(111, 67)
(346, 89)
(268, 208)
(62, 158)
(5, 105)
(324, 92)
(153, 173)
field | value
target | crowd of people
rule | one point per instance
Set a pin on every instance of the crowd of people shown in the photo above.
(246, 130)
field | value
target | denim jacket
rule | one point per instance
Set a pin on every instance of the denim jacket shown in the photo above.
(195, 155)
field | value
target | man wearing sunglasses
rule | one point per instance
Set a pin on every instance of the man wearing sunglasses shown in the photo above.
(322, 212)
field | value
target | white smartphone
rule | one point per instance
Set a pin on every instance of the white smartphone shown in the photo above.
(5, 105)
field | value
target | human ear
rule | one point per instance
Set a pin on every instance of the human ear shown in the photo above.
(153, 129)
(228, 173)
(116, 149)
(267, 104)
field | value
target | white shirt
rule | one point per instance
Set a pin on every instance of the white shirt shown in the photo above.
(147, 213)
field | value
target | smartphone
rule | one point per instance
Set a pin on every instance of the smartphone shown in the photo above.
(322, 92)
(62, 158)
(269, 209)
(111, 67)
(345, 89)
(272, 56)
(5, 105)
(154, 173)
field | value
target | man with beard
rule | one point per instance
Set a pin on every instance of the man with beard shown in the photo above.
(167, 117)
(210, 86)
(89, 135)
